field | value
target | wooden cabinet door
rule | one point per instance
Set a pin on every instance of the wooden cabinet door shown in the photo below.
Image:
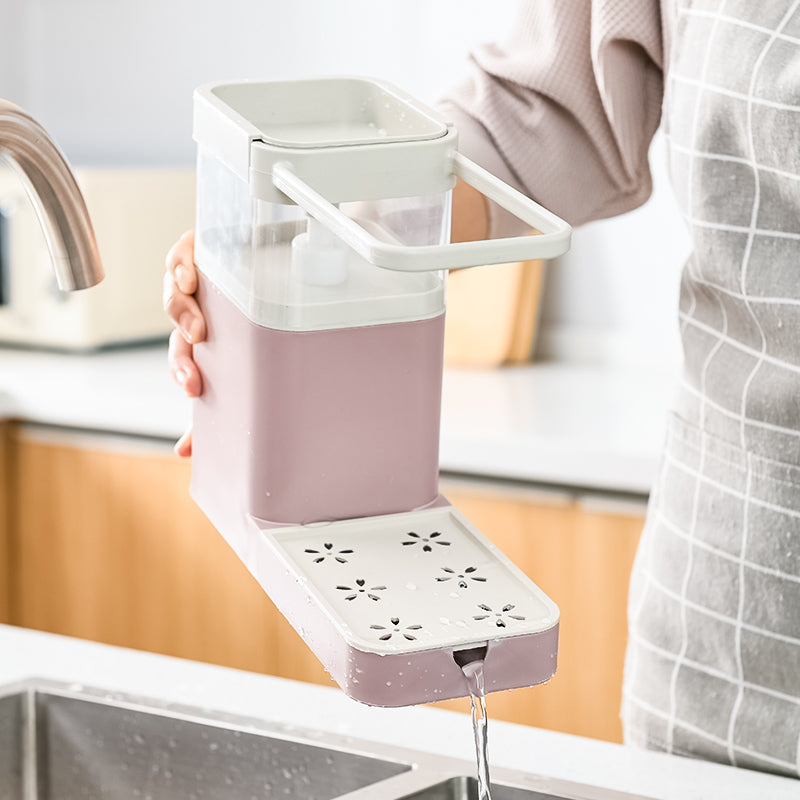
(5, 542)
(106, 544)
(580, 552)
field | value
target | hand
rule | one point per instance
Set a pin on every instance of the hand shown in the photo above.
(180, 284)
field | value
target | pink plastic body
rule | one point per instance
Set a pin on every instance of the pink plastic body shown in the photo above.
(295, 428)
(390, 680)
(316, 425)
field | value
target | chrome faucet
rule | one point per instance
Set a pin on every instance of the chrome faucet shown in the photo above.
(56, 197)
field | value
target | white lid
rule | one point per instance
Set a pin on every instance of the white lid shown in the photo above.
(331, 112)
(350, 138)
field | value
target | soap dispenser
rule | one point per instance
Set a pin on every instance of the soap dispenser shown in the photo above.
(322, 244)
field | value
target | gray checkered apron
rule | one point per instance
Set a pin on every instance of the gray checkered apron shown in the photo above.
(713, 663)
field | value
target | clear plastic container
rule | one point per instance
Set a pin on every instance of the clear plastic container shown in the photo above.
(287, 272)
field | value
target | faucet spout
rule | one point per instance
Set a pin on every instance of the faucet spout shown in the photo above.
(56, 197)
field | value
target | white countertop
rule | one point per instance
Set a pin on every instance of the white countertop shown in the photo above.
(28, 654)
(558, 423)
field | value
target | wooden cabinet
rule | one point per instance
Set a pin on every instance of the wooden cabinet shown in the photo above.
(5, 542)
(108, 545)
(104, 543)
(579, 550)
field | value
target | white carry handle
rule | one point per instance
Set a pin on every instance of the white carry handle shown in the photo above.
(553, 240)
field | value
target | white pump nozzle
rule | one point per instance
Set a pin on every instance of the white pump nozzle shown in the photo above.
(319, 257)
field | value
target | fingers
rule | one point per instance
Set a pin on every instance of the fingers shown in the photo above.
(180, 283)
(180, 263)
(183, 447)
(185, 373)
(184, 311)
(182, 366)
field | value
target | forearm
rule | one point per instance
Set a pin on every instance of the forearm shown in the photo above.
(470, 214)
(566, 107)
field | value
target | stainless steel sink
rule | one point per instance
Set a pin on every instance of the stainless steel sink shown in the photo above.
(61, 742)
(462, 788)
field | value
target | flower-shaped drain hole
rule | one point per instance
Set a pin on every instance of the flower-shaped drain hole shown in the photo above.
(328, 552)
(500, 616)
(361, 588)
(462, 577)
(426, 541)
(395, 628)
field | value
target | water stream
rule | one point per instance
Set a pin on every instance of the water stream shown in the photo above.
(473, 672)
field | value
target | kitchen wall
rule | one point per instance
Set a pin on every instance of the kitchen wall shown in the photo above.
(112, 82)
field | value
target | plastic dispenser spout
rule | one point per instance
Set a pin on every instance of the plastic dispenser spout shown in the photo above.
(319, 257)
(56, 197)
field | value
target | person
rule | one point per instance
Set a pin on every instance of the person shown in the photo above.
(565, 109)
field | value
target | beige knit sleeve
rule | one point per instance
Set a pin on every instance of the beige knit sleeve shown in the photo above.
(565, 108)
